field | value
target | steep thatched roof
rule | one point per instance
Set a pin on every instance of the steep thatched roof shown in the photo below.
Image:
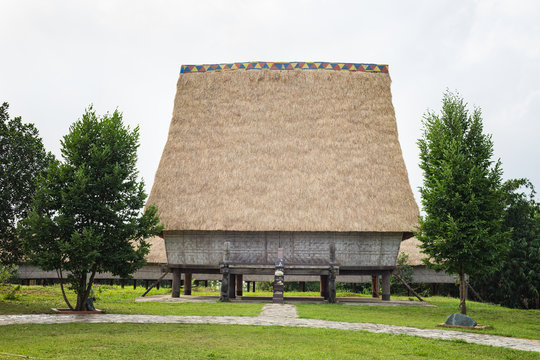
(411, 247)
(157, 254)
(291, 150)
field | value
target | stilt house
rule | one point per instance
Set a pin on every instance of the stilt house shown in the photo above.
(300, 156)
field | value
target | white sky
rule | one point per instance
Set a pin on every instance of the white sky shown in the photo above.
(57, 57)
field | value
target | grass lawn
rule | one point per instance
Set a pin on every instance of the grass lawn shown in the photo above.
(153, 341)
(502, 321)
(113, 299)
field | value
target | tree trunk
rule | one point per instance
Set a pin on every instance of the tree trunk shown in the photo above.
(89, 287)
(59, 272)
(81, 287)
(462, 291)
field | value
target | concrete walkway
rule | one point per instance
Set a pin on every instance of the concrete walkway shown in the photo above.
(276, 315)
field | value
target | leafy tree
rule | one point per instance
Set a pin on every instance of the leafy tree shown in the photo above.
(516, 282)
(86, 216)
(22, 159)
(461, 195)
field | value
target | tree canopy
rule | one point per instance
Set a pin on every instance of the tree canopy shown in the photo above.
(86, 214)
(461, 194)
(22, 159)
(516, 281)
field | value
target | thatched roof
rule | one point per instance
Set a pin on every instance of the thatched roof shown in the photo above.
(157, 254)
(291, 150)
(411, 247)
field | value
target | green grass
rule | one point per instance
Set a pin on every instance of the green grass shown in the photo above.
(113, 299)
(501, 320)
(167, 341)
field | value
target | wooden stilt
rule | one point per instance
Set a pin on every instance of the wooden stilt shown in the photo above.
(354, 287)
(146, 283)
(324, 286)
(254, 286)
(134, 284)
(375, 286)
(232, 287)
(386, 286)
(187, 284)
(225, 285)
(332, 287)
(122, 283)
(302, 286)
(239, 284)
(176, 283)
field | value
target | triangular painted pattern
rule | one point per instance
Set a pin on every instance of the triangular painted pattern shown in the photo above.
(260, 65)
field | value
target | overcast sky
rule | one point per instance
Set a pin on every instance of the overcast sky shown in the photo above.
(57, 57)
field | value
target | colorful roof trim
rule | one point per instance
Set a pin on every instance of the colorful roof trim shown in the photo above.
(260, 65)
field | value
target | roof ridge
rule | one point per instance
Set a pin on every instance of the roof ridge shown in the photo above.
(298, 65)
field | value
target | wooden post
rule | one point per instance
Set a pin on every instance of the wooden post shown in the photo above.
(232, 286)
(375, 286)
(324, 286)
(177, 279)
(332, 286)
(134, 284)
(239, 284)
(122, 283)
(302, 286)
(146, 284)
(386, 286)
(224, 297)
(187, 283)
(354, 287)
(253, 286)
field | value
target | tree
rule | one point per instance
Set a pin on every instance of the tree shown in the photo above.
(461, 195)
(516, 281)
(22, 159)
(86, 216)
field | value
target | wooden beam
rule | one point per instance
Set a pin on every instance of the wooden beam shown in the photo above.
(474, 292)
(155, 284)
(407, 286)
